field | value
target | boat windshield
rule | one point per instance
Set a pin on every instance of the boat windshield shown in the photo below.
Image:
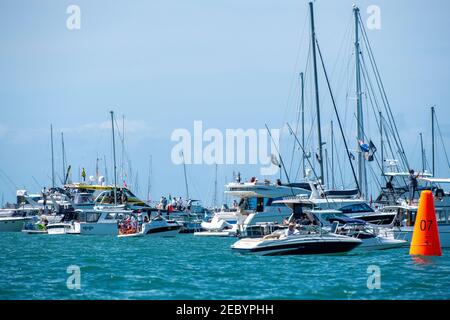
(332, 216)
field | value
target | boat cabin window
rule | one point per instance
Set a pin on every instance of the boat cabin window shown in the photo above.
(110, 216)
(260, 205)
(92, 216)
(82, 198)
(271, 200)
(356, 208)
(442, 216)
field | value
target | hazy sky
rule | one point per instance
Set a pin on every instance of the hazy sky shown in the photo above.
(229, 63)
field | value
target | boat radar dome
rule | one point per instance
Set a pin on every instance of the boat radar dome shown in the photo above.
(101, 180)
(91, 178)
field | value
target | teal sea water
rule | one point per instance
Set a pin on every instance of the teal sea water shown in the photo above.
(186, 267)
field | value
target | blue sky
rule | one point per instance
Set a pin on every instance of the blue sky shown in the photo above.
(165, 64)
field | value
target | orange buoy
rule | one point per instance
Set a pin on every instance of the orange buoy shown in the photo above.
(425, 239)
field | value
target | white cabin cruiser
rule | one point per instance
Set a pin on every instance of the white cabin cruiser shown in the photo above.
(257, 204)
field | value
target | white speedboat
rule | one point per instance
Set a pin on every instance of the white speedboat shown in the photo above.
(373, 237)
(306, 242)
(62, 228)
(158, 226)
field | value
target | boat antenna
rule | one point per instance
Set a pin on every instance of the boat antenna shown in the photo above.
(149, 182)
(339, 120)
(114, 157)
(63, 155)
(215, 187)
(281, 159)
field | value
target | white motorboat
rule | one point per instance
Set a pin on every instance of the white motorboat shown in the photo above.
(62, 228)
(157, 226)
(373, 237)
(307, 241)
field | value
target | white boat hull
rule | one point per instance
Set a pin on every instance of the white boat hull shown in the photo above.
(406, 233)
(381, 243)
(13, 224)
(298, 245)
(99, 229)
(224, 233)
(62, 228)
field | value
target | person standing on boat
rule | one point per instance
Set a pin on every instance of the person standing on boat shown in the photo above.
(44, 198)
(412, 185)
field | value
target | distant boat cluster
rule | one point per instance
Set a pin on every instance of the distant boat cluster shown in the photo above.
(267, 218)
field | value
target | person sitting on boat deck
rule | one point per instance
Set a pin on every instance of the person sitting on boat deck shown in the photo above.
(412, 185)
(291, 230)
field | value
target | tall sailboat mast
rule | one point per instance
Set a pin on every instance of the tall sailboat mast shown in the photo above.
(333, 185)
(303, 123)
(63, 156)
(53, 162)
(381, 143)
(316, 86)
(362, 175)
(215, 188)
(432, 142)
(114, 157)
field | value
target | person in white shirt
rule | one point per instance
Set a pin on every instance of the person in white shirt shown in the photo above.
(291, 230)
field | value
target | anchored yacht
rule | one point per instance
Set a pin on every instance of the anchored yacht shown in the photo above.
(257, 205)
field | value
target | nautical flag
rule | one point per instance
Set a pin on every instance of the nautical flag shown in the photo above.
(372, 147)
(372, 150)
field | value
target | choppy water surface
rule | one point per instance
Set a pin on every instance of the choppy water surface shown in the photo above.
(186, 267)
